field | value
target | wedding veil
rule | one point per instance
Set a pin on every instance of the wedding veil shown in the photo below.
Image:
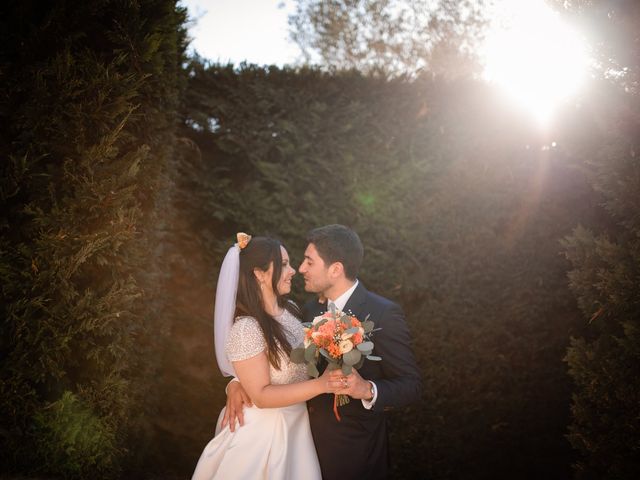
(225, 307)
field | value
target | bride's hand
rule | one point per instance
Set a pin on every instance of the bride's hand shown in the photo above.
(332, 380)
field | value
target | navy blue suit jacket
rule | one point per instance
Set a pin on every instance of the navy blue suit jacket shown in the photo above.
(357, 446)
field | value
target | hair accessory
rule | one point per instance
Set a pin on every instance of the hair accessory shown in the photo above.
(243, 239)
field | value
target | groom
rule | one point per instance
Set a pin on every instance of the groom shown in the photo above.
(357, 446)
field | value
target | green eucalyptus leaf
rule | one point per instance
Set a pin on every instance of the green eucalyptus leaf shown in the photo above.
(310, 352)
(298, 355)
(368, 326)
(374, 358)
(312, 370)
(325, 354)
(365, 347)
(346, 369)
(352, 357)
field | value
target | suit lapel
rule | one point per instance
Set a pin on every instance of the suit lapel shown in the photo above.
(356, 301)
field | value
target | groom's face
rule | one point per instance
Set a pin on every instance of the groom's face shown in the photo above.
(315, 271)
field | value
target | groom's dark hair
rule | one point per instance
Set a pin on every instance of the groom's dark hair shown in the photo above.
(337, 243)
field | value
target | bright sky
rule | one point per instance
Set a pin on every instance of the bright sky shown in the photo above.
(537, 59)
(255, 31)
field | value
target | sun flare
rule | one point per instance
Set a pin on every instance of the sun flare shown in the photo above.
(538, 60)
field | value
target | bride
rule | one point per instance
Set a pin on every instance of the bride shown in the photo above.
(256, 327)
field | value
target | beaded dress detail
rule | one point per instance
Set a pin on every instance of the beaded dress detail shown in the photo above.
(246, 340)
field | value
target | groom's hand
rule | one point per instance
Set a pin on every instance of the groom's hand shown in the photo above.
(356, 387)
(236, 399)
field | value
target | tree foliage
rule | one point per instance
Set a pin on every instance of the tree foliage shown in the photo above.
(605, 279)
(611, 29)
(390, 36)
(89, 102)
(460, 204)
(126, 173)
(605, 255)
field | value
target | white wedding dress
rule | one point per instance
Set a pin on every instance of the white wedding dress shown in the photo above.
(274, 443)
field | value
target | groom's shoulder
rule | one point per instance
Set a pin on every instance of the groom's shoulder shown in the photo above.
(380, 301)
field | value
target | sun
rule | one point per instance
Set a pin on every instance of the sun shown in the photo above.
(537, 59)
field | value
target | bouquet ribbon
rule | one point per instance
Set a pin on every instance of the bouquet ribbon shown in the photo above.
(335, 406)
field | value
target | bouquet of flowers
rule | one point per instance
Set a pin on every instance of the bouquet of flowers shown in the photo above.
(342, 340)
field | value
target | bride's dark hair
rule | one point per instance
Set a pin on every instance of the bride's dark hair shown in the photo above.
(260, 253)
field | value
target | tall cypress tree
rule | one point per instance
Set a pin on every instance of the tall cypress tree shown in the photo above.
(606, 281)
(604, 361)
(90, 93)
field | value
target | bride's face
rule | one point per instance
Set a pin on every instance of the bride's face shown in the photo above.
(284, 284)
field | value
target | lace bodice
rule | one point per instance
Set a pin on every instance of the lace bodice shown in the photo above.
(246, 340)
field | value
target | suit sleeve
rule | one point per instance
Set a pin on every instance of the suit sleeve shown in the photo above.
(400, 384)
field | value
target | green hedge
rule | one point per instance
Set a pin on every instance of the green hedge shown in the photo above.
(605, 277)
(127, 172)
(460, 202)
(90, 95)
